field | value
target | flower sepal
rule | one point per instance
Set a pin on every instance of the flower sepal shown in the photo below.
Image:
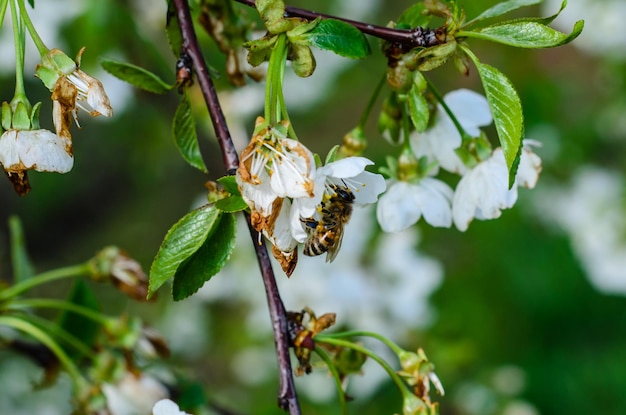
(474, 150)
(20, 115)
(54, 65)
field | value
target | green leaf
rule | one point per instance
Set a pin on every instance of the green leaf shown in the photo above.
(22, 267)
(172, 29)
(182, 241)
(332, 154)
(343, 39)
(506, 108)
(549, 19)
(418, 108)
(231, 204)
(527, 34)
(502, 8)
(81, 327)
(207, 261)
(230, 184)
(185, 137)
(413, 17)
(136, 76)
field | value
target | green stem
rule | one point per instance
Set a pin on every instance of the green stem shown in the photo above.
(404, 390)
(58, 305)
(41, 336)
(468, 33)
(57, 274)
(370, 104)
(361, 333)
(448, 111)
(333, 370)
(275, 108)
(62, 334)
(3, 10)
(274, 86)
(18, 37)
(22, 269)
(41, 47)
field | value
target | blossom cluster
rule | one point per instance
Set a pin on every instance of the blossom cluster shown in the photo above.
(483, 190)
(281, 183)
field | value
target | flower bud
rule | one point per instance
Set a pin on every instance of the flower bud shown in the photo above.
(354, 143)
(302, 59)
(112, 264)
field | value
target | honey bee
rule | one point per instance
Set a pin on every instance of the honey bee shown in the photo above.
(326, 234)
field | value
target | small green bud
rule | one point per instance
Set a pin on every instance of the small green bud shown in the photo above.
(399, 77)
(412, 405)
(433, 57)
(260, 49)
(462, 63)
(354, 143)
(302, 59)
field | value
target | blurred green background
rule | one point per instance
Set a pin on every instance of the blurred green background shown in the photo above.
(518, 326)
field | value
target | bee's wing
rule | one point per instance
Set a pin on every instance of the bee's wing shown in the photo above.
(333, 249)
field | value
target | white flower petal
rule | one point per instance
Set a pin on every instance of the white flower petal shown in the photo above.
(260, 196)
(404, 203)
(483, 192)
(366, 187)
(470, 108)
(167, 407)
(398, 207)
(281, 233)
(347, 167)
(40, 150)
(435, 200)
(292, 170)
(439, 142)
(91, 95)
(529, 166)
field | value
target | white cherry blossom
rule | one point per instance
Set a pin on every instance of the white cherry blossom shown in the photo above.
(273, 166)
(483, 192)
(438, 143)
(404, 203)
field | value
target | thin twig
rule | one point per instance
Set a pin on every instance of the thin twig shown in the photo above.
(407, 38)
(287, 395)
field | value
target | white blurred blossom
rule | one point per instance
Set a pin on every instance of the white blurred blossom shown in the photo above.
(167, 407)
(134, 394)
(591, 210)
(603, 35)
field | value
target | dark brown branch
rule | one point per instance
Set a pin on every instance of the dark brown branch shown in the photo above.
(287, 396)
(407, 39)
(192, 49)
